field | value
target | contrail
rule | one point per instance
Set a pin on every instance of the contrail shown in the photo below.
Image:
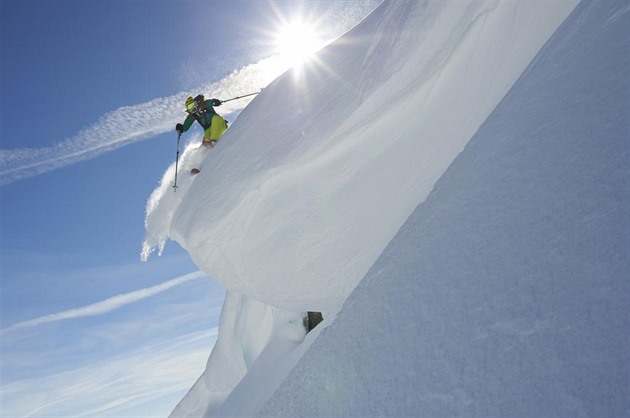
(107, 305)
(131, 124)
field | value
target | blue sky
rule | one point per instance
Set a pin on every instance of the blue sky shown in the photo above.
(90, 93)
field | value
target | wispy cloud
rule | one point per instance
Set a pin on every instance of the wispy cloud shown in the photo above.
(106, 305)
(130, 124)
(152, 378)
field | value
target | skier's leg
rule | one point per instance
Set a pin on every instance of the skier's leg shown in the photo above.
(206, 138)
(217, 128)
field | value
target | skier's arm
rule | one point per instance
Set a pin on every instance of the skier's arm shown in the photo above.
(188, 122)
(208, 104)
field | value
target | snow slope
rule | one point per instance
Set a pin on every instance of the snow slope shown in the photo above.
(506, 292)
(319, 173)
(327, 164)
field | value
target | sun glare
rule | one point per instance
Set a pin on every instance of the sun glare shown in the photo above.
(297, 42)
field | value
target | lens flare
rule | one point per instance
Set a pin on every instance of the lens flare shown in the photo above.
(297, 42)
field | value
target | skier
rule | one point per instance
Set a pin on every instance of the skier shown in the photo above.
(203, 112)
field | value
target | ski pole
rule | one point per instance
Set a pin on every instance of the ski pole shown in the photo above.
(179, 135)
(239, 97)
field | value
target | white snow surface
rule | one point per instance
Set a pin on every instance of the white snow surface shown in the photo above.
(465, 235)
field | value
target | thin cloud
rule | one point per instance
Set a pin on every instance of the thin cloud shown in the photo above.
(106, 305)
(111, 386)
(131, 124)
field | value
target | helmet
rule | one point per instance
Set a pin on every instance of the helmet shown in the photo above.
(191, 104)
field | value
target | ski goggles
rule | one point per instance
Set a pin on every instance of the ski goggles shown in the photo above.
(192, 107)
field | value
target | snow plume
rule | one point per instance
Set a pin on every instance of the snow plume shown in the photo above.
(130, 124)
(165, 199)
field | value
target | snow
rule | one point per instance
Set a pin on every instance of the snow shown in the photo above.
(452, 191)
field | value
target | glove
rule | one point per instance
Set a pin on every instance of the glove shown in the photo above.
(216, 102)
(179, 128)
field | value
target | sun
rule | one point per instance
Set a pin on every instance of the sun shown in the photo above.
(297, 41)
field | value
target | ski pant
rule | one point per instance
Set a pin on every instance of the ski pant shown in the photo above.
(216, 129)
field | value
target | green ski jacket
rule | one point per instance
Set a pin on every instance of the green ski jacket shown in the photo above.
(203, 116)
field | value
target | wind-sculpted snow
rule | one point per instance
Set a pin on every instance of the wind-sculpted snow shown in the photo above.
(506, 292)
(316, 176)
(319, 172)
